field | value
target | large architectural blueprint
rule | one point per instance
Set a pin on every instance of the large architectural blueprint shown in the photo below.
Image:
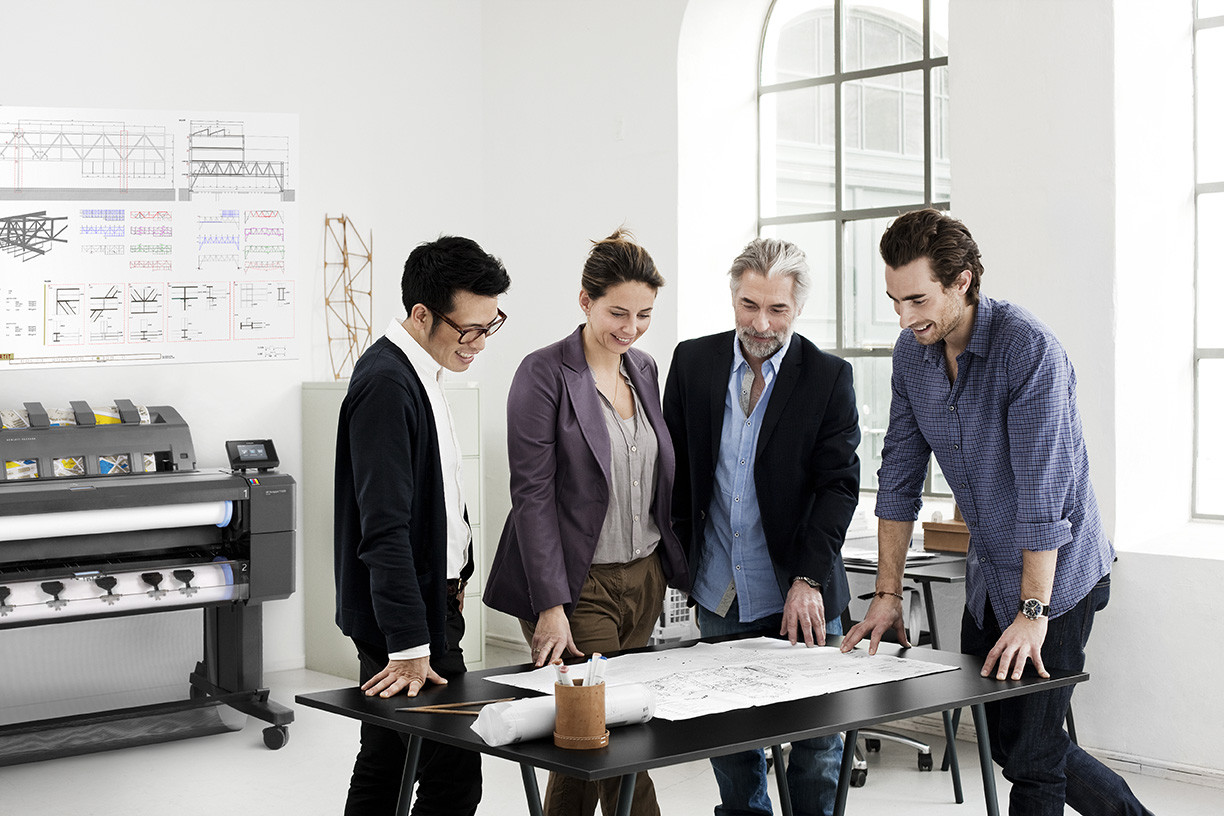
(146, 236)
(709, 678)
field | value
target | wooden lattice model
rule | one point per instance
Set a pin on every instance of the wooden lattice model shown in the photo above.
(348, 283)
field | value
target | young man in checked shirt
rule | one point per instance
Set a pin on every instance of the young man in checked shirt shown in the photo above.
(988, 388)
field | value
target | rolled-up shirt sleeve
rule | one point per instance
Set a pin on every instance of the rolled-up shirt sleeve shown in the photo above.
(905, 456)
(1040, 429)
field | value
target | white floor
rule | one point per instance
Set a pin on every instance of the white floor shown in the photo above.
(235, 773)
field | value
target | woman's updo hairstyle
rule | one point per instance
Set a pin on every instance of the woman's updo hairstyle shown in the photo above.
(617, 259)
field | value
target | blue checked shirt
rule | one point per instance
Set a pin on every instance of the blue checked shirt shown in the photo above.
(735, 547)
(1007, 435)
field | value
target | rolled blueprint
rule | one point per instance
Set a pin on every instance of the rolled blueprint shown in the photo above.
(532, 718)
(115, 520)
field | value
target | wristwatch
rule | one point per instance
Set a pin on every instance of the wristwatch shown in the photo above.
(814, 584)
(1034, 609)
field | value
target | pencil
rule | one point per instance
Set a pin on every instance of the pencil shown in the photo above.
(443, 707)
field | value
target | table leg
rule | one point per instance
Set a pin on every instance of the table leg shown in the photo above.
(784, 800)
(928, 598)
(531, 789)
(988, 774)
(956, 715)
(624, 801)
(409, 779)
(850, 739)
(950, 757)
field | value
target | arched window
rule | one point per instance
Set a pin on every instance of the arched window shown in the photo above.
(853, 116)
(1209, 265)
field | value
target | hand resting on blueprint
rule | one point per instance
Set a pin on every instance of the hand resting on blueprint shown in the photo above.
(883, 615)
(803, 615)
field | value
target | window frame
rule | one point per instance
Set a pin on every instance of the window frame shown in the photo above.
(840, 215)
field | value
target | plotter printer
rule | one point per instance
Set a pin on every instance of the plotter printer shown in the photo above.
(107, 516)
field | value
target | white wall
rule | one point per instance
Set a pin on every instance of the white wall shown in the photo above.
(580, 137)
(717, 205)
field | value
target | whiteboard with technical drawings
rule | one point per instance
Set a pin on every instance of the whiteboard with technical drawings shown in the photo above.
(146, 236)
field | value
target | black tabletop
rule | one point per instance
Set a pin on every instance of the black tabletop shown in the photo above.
(660, 742)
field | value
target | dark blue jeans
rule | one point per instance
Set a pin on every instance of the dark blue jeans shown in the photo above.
(743, 778)
(1046, 769)
(448, 778)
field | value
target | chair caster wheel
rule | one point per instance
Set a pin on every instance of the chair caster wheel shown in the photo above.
(925, 763)
(872, 745)
(276, 736)
(858, 778)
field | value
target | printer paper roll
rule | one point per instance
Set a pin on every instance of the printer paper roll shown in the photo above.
(533, 718)
(116, 520)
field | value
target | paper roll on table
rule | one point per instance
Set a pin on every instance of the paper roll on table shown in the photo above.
(116, 520)
(532, 718)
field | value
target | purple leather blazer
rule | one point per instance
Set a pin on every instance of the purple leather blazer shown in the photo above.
(560, 468)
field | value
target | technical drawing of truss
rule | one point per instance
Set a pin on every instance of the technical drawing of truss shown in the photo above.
(222, 158)
(65, 154)
(347, 293)
(31, 235)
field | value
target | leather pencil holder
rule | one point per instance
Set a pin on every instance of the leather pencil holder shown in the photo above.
(580, 717)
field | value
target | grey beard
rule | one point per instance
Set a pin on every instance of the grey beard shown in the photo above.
(758, 348)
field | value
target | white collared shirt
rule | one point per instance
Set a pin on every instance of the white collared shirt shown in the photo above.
(458, 533)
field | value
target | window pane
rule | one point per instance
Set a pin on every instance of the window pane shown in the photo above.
(818, 321)
(873, 393)
(939, 28)
(1209, 283)
(876, 33)
(798, 41)
(941, 165)
(797, 170)
(1210, 8)
(884, 164)
(1209, 103)
(870, 319)
(1209, 456)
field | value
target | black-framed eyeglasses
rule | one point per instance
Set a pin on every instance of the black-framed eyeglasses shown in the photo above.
(470, 335)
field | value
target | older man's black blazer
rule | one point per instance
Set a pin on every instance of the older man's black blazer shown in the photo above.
(806, 469)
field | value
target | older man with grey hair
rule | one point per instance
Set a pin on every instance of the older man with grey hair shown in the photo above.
(765, 430)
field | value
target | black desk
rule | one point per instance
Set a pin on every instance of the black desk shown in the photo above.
(660, 743)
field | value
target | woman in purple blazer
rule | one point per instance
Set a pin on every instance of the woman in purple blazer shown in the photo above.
(588, 550)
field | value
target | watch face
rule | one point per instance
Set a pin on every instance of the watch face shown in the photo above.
(1033, 609)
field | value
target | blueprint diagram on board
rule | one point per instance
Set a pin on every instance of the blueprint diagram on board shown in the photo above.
(147, 236)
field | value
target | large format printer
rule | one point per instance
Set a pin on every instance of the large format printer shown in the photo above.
(107, 516)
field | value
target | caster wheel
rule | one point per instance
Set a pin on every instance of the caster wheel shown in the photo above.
(925, 763)
(872, 745)
(276, 736)
(858, 778)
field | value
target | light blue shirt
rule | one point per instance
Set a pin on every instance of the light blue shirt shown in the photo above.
(735, 550)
